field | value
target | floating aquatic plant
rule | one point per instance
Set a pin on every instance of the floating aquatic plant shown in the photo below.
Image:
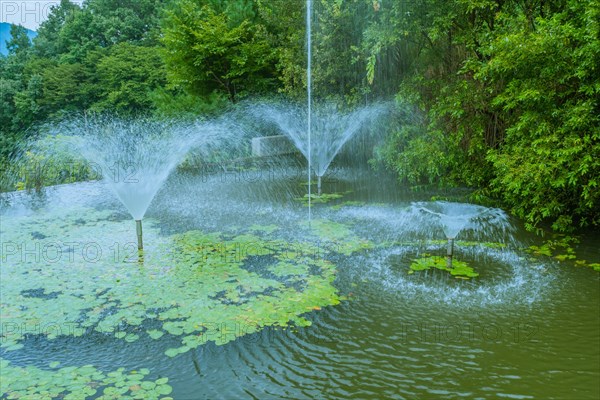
(320, 198)
(338, 236)
(74, 383)
(560, 247)
(188, 285)
(459, 269)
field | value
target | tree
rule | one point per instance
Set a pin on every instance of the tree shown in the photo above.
(285, 26)
(509, 90)
(206, 51)
(19, 41)
(47, 42)
(127, 76)
(71, 32)
(548, 166)
(61, 88)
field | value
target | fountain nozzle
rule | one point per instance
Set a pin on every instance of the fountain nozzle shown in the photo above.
(138, 226)
(450, 252)
(319, 185)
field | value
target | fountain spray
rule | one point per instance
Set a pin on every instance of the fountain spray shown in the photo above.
(309, 94)
(456, 217)
(139, 153)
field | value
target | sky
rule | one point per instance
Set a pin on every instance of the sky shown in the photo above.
(29, 13)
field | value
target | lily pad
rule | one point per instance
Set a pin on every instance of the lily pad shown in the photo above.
(561, 248)
(459, 269)
(155, 334)
(337, 237)
(319, 198)
(76, 383)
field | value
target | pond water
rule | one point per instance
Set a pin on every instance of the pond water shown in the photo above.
(237, 295)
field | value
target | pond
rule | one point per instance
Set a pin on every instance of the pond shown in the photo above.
(238, 295)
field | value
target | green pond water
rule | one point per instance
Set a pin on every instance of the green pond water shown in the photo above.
(237, 295)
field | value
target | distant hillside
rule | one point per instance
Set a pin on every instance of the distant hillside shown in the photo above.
(5, 36)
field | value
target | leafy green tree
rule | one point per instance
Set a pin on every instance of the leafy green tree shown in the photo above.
(509, 94)
(47, 42)
(12, 93)
(61, 88)
(71, 32)
(177, 103)
(19, 41)
(9, 136)
(286, 33)
(207, 51)
(548, 166)
(338, 65)
(132, 21)
(127, 76)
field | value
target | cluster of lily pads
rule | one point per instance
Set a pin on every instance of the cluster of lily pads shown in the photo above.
(197, 281)
(319, 198)
(78, 383)
(560, 247)
(459, 269)
(75, 272)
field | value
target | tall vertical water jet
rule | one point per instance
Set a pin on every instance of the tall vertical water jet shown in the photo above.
(309, 97)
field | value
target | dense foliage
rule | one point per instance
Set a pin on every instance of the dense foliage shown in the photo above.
(504, 92)
(509, 92)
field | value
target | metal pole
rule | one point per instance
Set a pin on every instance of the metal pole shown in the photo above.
(319, 185)
(138, 226)
(450, 252)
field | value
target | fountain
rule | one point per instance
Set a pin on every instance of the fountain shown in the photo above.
(328, 131)
(309, 99)
(456, 217)
(319, 133)
(135, 157)
(248, 293)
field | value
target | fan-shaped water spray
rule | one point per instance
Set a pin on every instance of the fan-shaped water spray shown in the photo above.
(329, 130)
(420, 220)
(455, 217)
(135, 156)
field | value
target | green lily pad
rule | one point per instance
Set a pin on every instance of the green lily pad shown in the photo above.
(172, 352)
(74, 382)
(459, 269)
(195, 286)
(320, 198)
(155, 334)
(561, 248)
